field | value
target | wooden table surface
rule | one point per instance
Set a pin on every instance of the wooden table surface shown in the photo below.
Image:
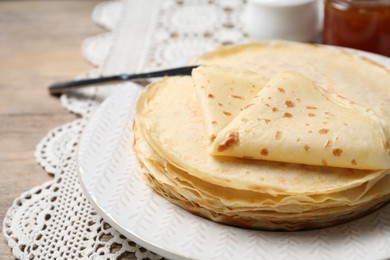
(39, 44)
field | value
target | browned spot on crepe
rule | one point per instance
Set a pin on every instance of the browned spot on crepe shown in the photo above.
(267, 121)
(214, 122)
(264, 152)
(324, 163)
(311, 107)
(287, 115)
(220, 104)
(212, 138)
(353, 162)
(281, 90)
(278, 135)
(323, 131)
(232, 139)
(337, 152)
(227, 113)
(274, 109)
(210, 95)
(311, 114)
(289, 103)
(306, 147)
(238, 97)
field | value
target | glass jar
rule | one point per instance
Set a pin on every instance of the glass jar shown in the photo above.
(359, 24)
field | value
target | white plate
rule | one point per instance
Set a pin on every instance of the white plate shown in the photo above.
(112, 182)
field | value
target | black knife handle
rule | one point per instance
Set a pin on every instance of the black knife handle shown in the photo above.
(61, 87)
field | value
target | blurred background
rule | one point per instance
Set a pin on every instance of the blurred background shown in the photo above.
(39, 44)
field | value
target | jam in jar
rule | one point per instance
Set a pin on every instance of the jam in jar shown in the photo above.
(359, 24)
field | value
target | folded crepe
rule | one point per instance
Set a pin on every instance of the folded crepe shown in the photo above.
(293, 120)
(222, 92)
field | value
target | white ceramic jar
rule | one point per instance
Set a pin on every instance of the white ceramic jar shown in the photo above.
(296, 20)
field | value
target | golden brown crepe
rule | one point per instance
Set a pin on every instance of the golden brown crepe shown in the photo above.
(292, 120)
(172, 142)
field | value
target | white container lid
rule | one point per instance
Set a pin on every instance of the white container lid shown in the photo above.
(282, 3)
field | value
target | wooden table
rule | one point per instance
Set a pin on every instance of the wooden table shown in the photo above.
(39, 44)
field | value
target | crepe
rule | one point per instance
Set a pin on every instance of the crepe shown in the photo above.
(354, 77)
(172, 143)
(178, 134)
(223, 92)
(228, 199)
(292, 120)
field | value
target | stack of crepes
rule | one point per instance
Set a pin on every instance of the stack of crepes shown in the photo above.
(275, 136)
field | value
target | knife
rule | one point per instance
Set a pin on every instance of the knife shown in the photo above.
(62, 87)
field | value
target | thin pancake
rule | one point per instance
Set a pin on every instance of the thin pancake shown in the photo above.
(222, 92)
(292, 120)
(352, 76)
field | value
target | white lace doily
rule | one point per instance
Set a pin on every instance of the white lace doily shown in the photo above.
(55, 220)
